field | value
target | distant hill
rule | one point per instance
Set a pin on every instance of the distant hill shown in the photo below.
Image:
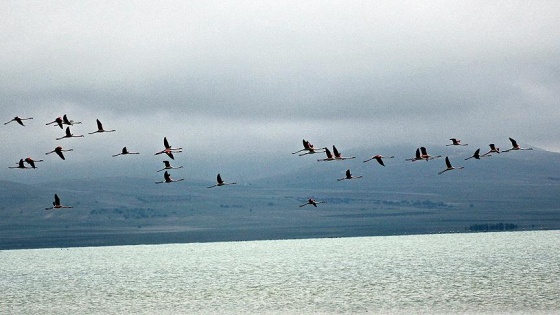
(518, 190)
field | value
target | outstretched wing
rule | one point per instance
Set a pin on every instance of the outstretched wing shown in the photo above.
(165, 143)
(335, 151)
(60, 154)
(447, 162)
(513, 142)
(219, 179)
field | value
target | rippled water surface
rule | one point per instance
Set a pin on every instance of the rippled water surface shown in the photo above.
(449, 273)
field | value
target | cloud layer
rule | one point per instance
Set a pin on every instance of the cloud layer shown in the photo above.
(270, 73)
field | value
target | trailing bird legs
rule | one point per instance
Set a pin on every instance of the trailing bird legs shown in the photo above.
(348, 176)
(515, 146)
(19, 120)
(168, 166)
(379, 159)
(220, 182)
(167, 179)
(58, 150)
(56, 204)
(311, 201)
(449, 166)
(100, 128)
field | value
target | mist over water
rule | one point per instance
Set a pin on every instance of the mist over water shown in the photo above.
(515, 272)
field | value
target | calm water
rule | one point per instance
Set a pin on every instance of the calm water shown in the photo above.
(454, 273)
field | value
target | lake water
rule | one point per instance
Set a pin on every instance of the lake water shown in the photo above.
(517, 272)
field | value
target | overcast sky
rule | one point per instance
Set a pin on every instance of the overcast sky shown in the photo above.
(228, 78)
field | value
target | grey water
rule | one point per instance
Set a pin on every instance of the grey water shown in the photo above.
(507, 272)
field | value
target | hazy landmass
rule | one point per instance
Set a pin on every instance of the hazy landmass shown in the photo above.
(512, 191)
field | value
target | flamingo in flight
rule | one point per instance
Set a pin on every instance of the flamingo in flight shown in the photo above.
(66, 121)
(168, 146)
(168, 149)
(493, 149)
(515, 146)
(455, 141)
(220, 182)
(426, 156)
(100, 128)
(167, 179)
(168, 166)
(330, 157)
(477, 155)
(59, 121)
(417, 157)
(32, 162)
(19, 120)
(69, 135)
(348, 176)
(56, 204)
(449, 166)
(20, 165)
(307, 146)
(379, 158)
(58, 150)
(125, 151)
(311, 201)
(339, 156)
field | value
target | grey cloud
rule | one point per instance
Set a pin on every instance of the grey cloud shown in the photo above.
(273, 72)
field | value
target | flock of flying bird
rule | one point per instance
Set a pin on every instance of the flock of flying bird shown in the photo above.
(62, 121)
(308, 148)
(421, 154)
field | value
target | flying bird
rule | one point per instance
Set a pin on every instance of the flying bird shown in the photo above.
(307, 146)
(426, 156)
(168, 146)
(20, 165)
(417, 157)
(348, 176)
(455, 141)
(449, 166)
(339, 156)
(59, 121)
(167, 179)
(515, 146)
(220, 182)
(32, 162)
(19, 120)
(311, 201)
(69, 135)
(476, 155)
(330, 157)
(168, 166)
(168, 149)
(493, 149)
(125, 151)
(58, 150)
(100, 128)
(379, 159)
(56, 204)
(66, 121)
